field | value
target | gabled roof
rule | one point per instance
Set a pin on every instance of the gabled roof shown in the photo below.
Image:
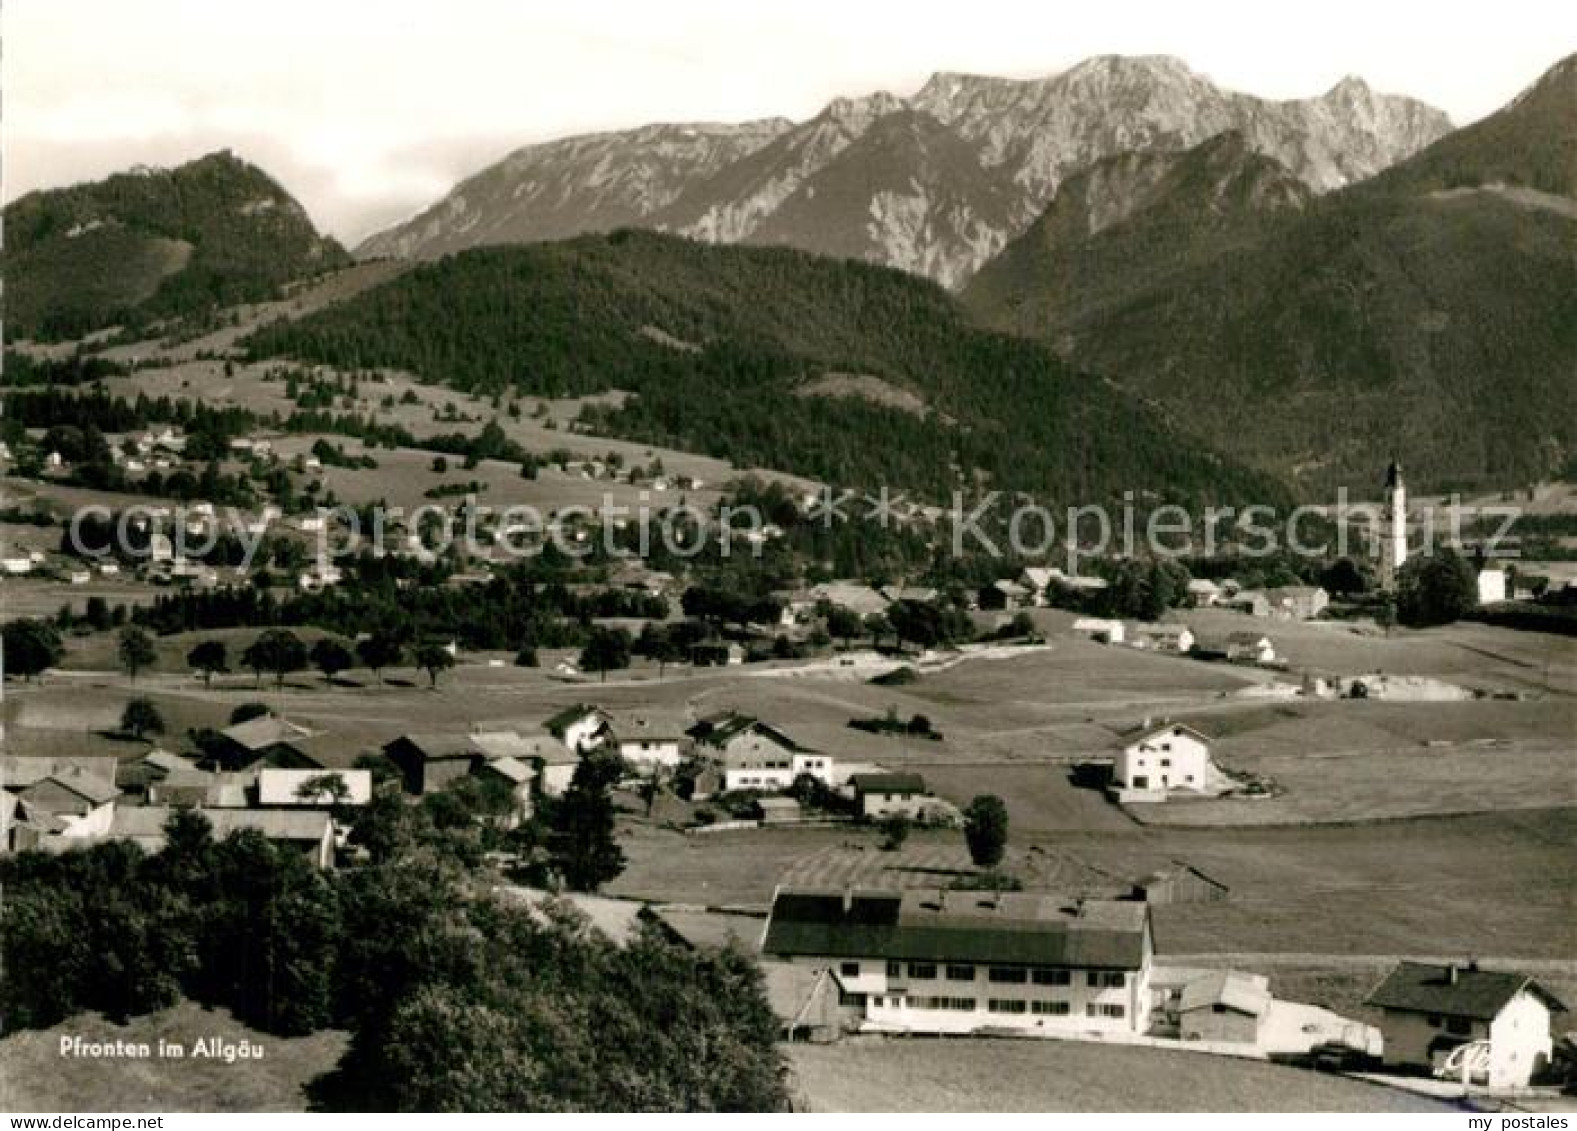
(720, 730)
(887, 783)
(546, 749)
(511, 768)
(441, 747)
(572, 714)
(1021, 928)
(919, 593)
(17, 771)
(645, 724)
(1454, 991)
(791, 989)
(166, 761)
(502, 743)
(146, 823)
(265, 730)
(1241, 993)
(852, 595)
(1134, 739)
(92, 789)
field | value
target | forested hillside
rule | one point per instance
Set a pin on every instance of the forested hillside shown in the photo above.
(720, 342)
(152, 243)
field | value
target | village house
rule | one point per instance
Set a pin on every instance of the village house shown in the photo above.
(1177, 638)
(518, 777)
(136, 775)
(1251, 602)
(1236, 647)
(1167, 757)
(204, 789)
(285, 788)
(70, 802)
(308, 831)
(1101, 629)
(1491, 586)
(1048, 584)
(889, 795)
(429, 762)
(757, 755)
(267, 741)
(797, 606)
(1035, 579)
(580, 727)
(1297, 602)
(855, 596)
(552, 762)
(1004, 595)
(1428, 1011)
(1226, 1005)
(649, 738)
(776, 810)
(1202, 592)
(923, 961)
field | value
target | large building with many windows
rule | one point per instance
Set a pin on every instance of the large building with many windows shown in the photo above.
(927, 961)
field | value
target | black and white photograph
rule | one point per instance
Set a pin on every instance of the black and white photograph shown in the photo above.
(844, 557)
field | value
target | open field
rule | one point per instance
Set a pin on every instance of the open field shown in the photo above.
(1497, 882)
(35, 1077)
(1475, 656)
(1014, 726)
(1492, 884)
(872, 1074)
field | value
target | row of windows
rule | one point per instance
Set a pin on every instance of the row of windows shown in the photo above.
(1003, 975)
(1003, 1005)
(953, 1004)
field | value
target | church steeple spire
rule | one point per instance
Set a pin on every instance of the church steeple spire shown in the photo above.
(1393, 534)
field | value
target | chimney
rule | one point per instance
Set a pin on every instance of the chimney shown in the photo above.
(1453, 973)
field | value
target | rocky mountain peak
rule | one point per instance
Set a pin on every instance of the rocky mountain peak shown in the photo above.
(856, 114)
(1022, 137)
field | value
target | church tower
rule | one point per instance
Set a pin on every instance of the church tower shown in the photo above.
(1393, 527)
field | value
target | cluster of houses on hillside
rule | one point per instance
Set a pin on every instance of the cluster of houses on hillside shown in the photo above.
(1243, 646)
(725, 753)
(1043, 586)
(57, 804)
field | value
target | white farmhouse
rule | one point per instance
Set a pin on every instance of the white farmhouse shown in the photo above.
(1491, 586)
(1428, 1012)
(922, 961)
(1171, 756)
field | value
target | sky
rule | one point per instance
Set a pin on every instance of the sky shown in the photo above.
(369, 111)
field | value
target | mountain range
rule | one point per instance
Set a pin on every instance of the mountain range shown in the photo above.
(1248, 293)
(936, 183)
(1429, 312)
